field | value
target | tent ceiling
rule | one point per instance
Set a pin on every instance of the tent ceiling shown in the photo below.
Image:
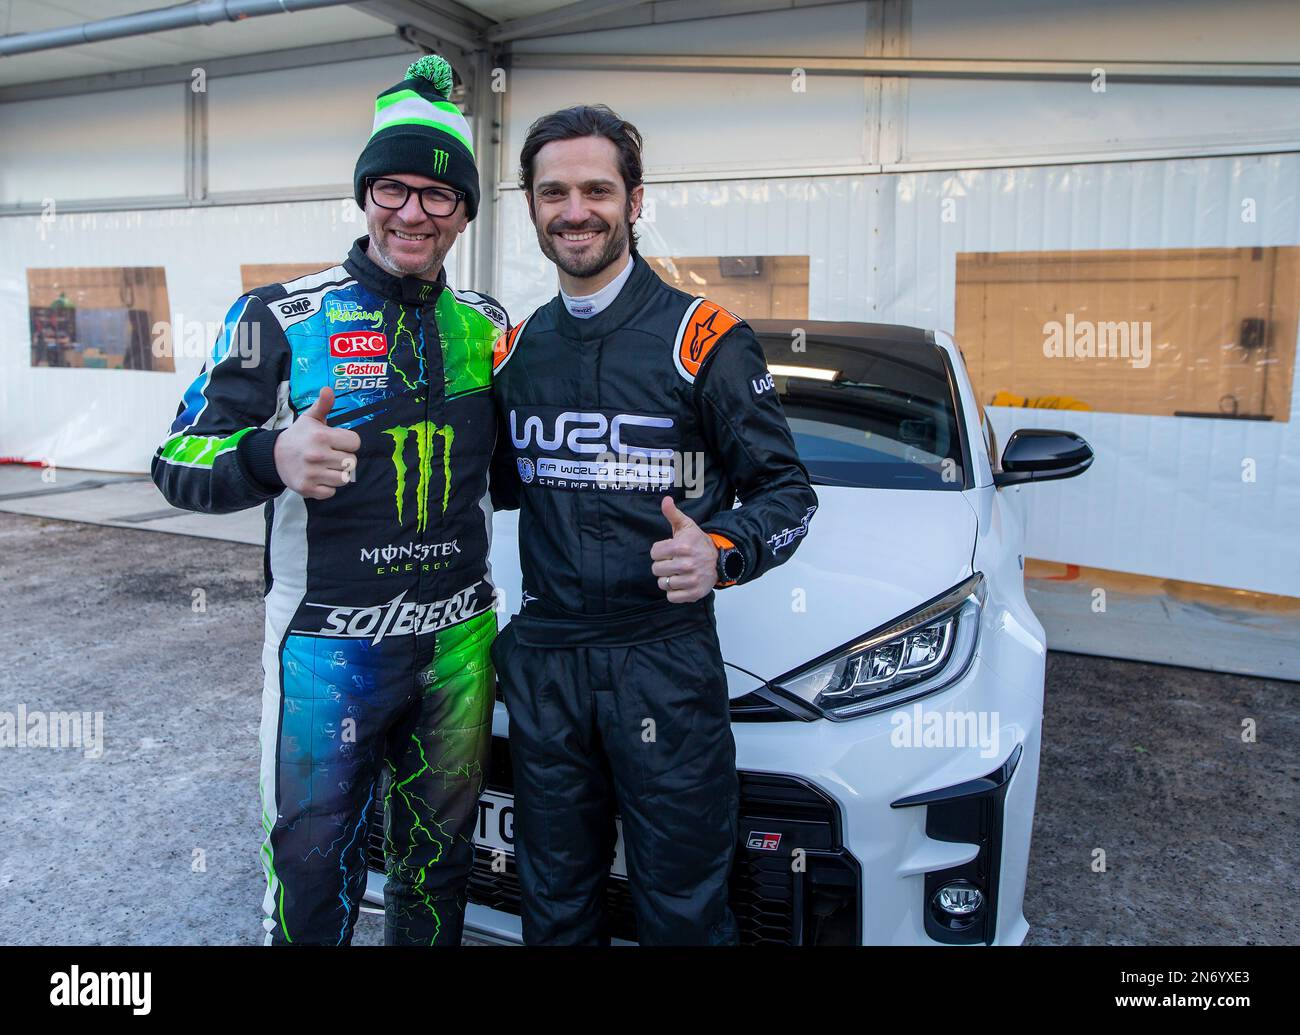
(224, 39)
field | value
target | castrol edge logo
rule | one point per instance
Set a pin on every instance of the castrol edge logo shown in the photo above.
(358, 344)
(360, 369)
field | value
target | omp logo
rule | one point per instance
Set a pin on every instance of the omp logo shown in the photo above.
(439, 161)
(124, 988)
(359, 343)
(586, 433)
(296, 307)
(422, 434)
(759, 841)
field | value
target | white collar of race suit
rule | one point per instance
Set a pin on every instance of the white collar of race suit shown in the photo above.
(584, 307)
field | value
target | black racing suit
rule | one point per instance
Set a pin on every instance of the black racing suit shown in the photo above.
(379, 608)
(618, 698)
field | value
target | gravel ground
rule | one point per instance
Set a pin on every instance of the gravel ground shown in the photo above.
(155, 840)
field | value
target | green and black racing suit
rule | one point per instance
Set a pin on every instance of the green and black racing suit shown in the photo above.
(379, 611)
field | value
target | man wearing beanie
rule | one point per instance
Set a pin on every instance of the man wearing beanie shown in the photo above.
(612, 673)
(361, 417)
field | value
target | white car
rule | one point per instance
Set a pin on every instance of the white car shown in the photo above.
(886, 682)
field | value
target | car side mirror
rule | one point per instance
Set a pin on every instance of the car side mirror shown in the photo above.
(1039, 455)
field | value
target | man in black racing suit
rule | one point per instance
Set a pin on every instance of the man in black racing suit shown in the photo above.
(637, 415)
(355, 403)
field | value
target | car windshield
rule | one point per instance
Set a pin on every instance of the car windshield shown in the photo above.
(870, 413)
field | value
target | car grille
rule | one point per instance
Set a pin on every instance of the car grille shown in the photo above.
(774, 901)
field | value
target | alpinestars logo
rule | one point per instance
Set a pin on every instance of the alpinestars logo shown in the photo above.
(703, 333)
(786, 536)
(397, 618)
(422, 434)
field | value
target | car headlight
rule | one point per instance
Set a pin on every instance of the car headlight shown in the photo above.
(919, 653)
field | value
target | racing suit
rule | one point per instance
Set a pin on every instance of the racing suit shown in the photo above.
(618, 698)
(379, 613)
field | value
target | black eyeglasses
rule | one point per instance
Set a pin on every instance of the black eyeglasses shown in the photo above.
(392, 194)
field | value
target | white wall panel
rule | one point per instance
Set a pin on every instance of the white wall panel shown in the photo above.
(1119, 30)
(955, 121)
(129, 143)
(717, 122)
(831, 30)
(301, 127)
(1165, 496)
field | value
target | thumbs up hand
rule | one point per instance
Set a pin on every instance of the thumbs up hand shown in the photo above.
(312, 458)
(687, 564)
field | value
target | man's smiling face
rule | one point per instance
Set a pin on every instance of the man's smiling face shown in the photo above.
(408, 241)
(579, 206)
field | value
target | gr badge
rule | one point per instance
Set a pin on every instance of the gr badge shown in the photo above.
(759, 841)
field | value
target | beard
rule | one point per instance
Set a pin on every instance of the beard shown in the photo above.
(586, 266)
(405, 267)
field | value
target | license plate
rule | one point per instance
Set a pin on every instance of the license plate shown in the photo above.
(496, 828)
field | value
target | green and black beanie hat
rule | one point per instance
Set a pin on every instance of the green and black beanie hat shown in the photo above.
(418, 130)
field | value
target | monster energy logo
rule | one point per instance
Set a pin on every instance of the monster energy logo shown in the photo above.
(423, 432)
(439, 161)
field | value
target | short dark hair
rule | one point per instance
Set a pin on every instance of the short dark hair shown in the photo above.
(584, 120)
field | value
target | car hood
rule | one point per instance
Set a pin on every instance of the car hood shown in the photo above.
(870, 555)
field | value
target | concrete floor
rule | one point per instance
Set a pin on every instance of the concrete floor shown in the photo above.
(155, 841)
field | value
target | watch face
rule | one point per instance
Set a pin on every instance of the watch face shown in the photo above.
(732, 564)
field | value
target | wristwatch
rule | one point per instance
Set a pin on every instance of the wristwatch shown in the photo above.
(731, 562)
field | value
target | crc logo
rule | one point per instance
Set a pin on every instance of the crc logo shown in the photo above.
(758, 841)
(422, 435)
(358, 343)
(762, 384)
(526, 470)
(588, 434)
(296, 307)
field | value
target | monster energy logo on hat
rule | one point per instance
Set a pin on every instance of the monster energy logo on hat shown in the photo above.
(418, 129)
(423, 432)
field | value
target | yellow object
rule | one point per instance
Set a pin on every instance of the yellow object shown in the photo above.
(1040, 402)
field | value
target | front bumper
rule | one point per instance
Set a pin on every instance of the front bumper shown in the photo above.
(868, 828)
